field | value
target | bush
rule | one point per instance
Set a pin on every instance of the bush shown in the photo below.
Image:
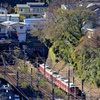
(42, 83)
(24, 84)
(1, 76)
(59, 93)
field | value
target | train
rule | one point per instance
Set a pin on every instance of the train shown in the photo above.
(61, 82)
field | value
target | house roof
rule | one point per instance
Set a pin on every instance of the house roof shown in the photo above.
(91, 29)
(12, 15)
(3, 9)
(37, 4)
(22, 23)
(8, 23)
(35, 19)
(23, 6)
(93, 4)
(67, 7)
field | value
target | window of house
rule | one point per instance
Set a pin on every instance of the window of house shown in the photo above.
(37, 9)
(21, 27)
(33, 9)
(21, 9)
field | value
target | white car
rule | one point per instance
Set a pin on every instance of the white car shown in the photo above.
(16, 97)
(2, 40)
(5, 87)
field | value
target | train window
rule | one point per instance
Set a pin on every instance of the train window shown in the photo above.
(72, 85)
(48, 67)
(74, 90)
(62, 79)
(54, 72)
(58, 76)
(66, 81)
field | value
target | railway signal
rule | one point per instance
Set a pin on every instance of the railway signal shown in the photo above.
(17, 78)
(53, 97)
(68, 83)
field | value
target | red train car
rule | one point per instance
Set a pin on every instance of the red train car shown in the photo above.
(59, 81)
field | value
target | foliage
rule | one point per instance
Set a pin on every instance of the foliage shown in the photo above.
(87, 62)
(59, 93)
(70, 44)
(65, 32)
(42, 83)
(53, 55)
(24, 84)
(48, 1)
(22, 18)
(17, 51)
(1, 76)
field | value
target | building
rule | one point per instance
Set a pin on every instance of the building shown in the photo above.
(21, 31)
(15, 30)
(9, 17)
(86, 27)
(90, 32)
(35, 23)
(3, 31)
(31, 9)
(67, 7)
(3, 11)
(95, 8)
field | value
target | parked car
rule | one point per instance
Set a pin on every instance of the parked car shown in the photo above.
(5, 87)
(16, 97)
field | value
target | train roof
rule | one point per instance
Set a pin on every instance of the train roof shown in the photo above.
(44, 66)
(59, 77)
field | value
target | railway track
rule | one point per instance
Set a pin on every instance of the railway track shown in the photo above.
(11, 77)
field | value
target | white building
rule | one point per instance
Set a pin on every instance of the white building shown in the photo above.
(32, 8)
(9, 17)
(67, 7)
(3, 11)
(35, 23)
(17, 28)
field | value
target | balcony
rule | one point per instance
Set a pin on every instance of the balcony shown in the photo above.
(32, 12)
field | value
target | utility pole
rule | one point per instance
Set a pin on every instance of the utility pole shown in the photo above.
(68, 83)
(73, 76)
(38, 78)
(17, 78)
(82, 89)
(31, 77)
(44, 67)
(90, 91)
(53, 97)
(24, 56)
(37, 81)
(3, 59)
(74, 92)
